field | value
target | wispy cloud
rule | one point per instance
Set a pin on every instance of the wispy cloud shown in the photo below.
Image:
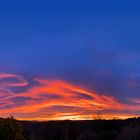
(57, 99)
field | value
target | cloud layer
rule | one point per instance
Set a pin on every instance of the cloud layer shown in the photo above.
(51, 99)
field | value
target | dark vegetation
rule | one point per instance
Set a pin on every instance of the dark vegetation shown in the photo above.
(10, 129)
(128, 129)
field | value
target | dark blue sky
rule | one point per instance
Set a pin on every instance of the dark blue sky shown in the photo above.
(95, 44)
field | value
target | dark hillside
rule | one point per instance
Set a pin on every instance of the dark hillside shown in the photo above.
(128, 129)
(77, 130)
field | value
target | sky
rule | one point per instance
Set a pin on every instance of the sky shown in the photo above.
(70, 60)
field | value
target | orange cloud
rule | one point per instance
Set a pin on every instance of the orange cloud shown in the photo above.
(57, 99)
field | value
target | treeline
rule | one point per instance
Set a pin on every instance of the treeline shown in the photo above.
(84, 130)
(11, 129)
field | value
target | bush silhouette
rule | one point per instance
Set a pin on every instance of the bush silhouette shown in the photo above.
(10, 129)
(108, 135)
(88, 135)
(130, 133)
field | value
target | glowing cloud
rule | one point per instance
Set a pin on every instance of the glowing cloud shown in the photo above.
(57, 99)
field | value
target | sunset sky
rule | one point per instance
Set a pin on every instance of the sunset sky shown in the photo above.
(70, 61)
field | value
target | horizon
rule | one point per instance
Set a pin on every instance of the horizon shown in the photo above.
(63, 120)
(70, 61)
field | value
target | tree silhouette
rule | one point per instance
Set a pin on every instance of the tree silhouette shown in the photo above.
(10, 129)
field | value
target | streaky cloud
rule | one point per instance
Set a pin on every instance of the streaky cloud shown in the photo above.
(54, 98)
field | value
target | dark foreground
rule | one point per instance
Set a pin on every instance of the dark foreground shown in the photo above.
(81, 130)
